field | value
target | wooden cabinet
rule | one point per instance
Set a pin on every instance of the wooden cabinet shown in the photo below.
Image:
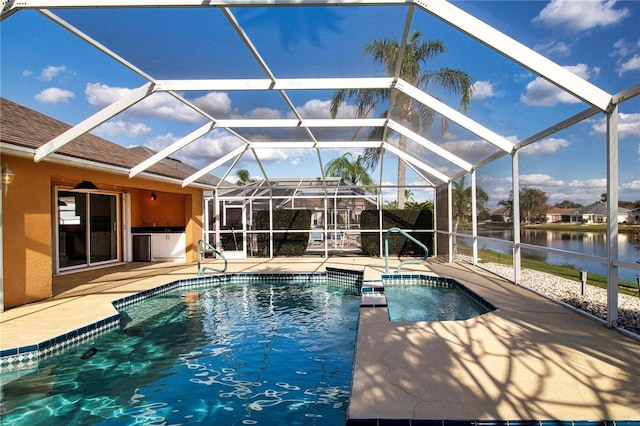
(168, 247)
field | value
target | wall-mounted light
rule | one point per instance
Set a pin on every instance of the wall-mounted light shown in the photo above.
(7, 178)
(153, 196)
(86, 185)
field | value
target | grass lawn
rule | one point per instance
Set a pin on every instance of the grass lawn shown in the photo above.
(573, 274)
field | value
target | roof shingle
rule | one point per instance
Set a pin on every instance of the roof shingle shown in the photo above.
(25, 127)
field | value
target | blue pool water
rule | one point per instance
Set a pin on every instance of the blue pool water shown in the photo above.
(271, 354)
(425, 302)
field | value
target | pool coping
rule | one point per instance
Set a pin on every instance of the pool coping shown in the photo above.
(412, 373)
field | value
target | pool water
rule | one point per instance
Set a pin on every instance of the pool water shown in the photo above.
(272, 354)
(419, 302)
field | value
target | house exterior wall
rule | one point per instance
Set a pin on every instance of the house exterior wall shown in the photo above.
(27, 238)
(28, 216)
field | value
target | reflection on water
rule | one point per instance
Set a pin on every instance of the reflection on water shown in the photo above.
(267, 354)
(590, 243)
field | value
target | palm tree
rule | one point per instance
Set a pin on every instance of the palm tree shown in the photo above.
(462, 202)
(404, 109)
(408, 195)
(243, 177)
(532, 202)
(350, 170)
(507, 204)
(568, 204)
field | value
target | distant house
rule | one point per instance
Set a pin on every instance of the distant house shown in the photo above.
(597, 213)
(501, 215)
(558, 214)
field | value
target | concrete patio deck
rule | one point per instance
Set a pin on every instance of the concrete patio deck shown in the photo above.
(531, 359)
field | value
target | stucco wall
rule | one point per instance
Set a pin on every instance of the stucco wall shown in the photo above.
(166, 210)
(28, 228)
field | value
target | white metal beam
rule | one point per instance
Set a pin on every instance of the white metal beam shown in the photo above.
(474, 217)
(94, 121)
(279, 84)
(612, 217)
(282, 145)
(292, 122)
(626, 94)
(350, 144)
(194, 177)
(409, 159)
(517, 52)
(450, 220)
(588, 113)
(455, 116)
(515, 214)
(430, 145)
(311, 144)
(95, 4)
(156, 158)
(421, 174)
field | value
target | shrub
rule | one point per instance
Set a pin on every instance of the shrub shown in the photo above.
(284, 243)
(398, 244)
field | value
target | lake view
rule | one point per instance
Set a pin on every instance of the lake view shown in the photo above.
(591, 243)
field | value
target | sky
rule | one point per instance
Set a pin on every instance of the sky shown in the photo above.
(46, 68)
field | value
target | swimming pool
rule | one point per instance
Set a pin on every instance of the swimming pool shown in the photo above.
(253, 353)
(432, 299)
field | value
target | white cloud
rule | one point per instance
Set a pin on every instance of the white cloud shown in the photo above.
(557, 48)
(483, 89)
(632, 64)
(101, 95)
(471, 149)
(265, 113)
(633, 185)
(215, 103)
(628, 54)
(624, 48)
(159, 105)
(545, 147)
(316, 108)
(581, 15)
(540, 92)
(540, 180)
(50, 72)
(117, 128)
(27, 73)
(54, 95)
(201, 152)
(218, 143)
(597, 185)
(628, 124)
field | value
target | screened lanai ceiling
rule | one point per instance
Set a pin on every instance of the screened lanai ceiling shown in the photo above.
(243, 83)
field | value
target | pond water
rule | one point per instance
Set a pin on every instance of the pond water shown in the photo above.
(591, 243)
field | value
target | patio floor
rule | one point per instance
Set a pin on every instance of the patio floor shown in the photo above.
(529, 359)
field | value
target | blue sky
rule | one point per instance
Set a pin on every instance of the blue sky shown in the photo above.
(46, 68)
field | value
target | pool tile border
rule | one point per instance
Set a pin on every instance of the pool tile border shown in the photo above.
(437, 281)
(28, 357)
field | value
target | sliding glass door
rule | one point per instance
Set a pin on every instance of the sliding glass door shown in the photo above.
(87, 229)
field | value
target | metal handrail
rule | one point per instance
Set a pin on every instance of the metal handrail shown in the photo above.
(386, 249)
(201, 268)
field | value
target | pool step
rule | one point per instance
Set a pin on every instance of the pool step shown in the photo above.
(373, 295)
